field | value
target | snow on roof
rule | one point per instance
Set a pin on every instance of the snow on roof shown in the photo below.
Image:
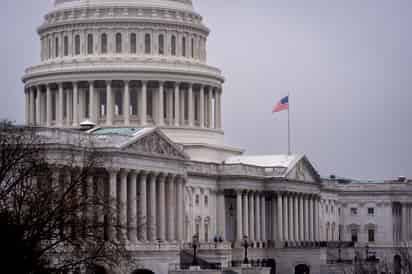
(265, 160)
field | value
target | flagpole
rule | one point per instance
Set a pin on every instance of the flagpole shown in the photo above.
(289, 147)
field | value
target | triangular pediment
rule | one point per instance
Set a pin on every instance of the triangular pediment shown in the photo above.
(155, 143)
(303, 170)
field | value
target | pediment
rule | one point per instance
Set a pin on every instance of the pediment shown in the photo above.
(303, 171)
(157, 144)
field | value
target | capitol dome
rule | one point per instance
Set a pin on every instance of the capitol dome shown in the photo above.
(127, 63)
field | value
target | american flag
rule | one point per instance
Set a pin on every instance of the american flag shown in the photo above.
(281, 105)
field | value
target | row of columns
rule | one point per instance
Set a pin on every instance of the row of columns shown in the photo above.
(201, 103)
(295, 217)
(406, 222)
(140, 206)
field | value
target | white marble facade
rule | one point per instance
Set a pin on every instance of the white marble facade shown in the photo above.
(140, 67)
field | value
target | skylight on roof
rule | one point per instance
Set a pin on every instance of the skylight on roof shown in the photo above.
(128, 131)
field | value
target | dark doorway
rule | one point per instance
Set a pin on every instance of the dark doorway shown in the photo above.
(302, 269)
(95, 269)
(397, 264)
(143, 271)
(272, 264)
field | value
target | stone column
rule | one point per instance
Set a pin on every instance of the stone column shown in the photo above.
(123, 206)
(404, 229)
(221, 214)
(92, 103)
(191, 106)
(285, 218)
(245, 214)
(257, 217)
(161, 120)
(26, 106)
(317, 231)
(30, 107)
(153, 202)
(59, 108)
(171, 208)
(263, 213)
(82, 103)
(251, 217)
(280, 217)
(291, 228)
(179, 217)
(177, 104)
(112, 212)
(132, 201)
(296, 217)
(239, 215)
(219, 108)
(306, 217)
(311, 219)
(202, 106)
(75, 105)
(143, 104)
(126, 103)
(301, 222)
(210, 107)
(162, 208)
(109, 104)
(38, 106)
(143, 206)
(48, 106)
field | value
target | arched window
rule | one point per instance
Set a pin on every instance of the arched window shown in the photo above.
(147, 44)
(77, 45)
(133, 47)
(118, 43)
(161, 44)
(173, 45)
(104, 43)
(184, 46)
(56, 47)
(66, 46)
(192, 47)
(90, 43)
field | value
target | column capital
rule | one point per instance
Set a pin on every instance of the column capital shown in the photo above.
(75, 84)
(177, 84)
(126, 81)
(112, 170)
(91, 82)
(143, 172)
(144, 82)
(161, 82)
(108, 82)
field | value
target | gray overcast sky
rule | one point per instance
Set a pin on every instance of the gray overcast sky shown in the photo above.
(346, 63)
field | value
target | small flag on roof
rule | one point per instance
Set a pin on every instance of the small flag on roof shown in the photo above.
(281, 105)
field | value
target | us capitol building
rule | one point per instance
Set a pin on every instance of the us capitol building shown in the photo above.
(135, 71)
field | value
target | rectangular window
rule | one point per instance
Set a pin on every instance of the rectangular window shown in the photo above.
(206, 232)
(371, 235)
(371, 211)
(66, 46)
(161, 44)
(56, 49)
(354, 235)
(133, 48)
(354, 211)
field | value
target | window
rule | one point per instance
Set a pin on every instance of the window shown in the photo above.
(56, 47)
(354, 235)
(371, 235)
(206, 232)
(197, 199)
(147, 44)
(192, 47)
(173, 45)
(77, 45)
(184, 46)
(371, 211)
(161, 44)
(206, 200)
(118, 43)
(133, 48)
(104, 43)
(66, 46)
(90, 44)
(354, 211)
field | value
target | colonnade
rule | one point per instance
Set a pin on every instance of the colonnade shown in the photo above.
(139, 206)
(294, 216)
(124, 103)
(406, 222)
